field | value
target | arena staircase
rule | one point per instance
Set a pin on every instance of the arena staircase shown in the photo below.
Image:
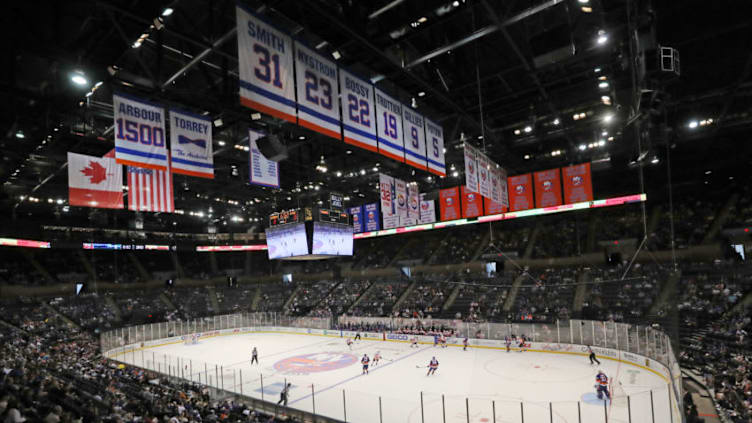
(451, 298)
(509, 301)
(655, 218)
(410, 288)
(720, 218)
(213, 263)
(87, 265)
(139, 267)
(176, 263)
(362, 295)
(531, 242)
(113, 307)
(36, 265)
(582, 290)
(405, 247)
(435, 250)
(212, 293)
(327, 295)
(63, 317)
(668, 293)
(292, 296)
(592, 233)
(165, 299)
(12, 326)
(481, 247)
(256, 298)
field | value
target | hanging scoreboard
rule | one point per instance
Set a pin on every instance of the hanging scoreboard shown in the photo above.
(435, 148)
(389, 125)
(317, 92)
(358, 111)
(415, 138)
(265, 61)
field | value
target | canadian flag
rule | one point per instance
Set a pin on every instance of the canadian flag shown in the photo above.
(94, 182)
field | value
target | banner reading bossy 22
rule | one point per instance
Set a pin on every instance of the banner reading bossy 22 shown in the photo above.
(266, 67)
(139, 132)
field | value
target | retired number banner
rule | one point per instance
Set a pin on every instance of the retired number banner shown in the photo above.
(389, 126)
(358, 111)
(317, 92)
(265, 62)
(191, 144)
(435, 148)
(415, 138)
(139, 132)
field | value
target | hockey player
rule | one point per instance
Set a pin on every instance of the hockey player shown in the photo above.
(254, 356)
(364, 361)
(414, 342)
(432, 366)
(593, 360)
(443, 341)
(349, 343)
(376, 358)
(357, 336)
(508, 342)
(522, 343)
(435, 340)
(465, 342)
(601, 385)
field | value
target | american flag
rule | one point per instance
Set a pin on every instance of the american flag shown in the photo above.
(150, 190)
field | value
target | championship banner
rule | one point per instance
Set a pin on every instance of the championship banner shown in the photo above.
(265, 63)
(499, 193)
(262, 171)
(472, 203)
(413, 201)
(578, 183)
(400, 192)
(471, 168)
(94, 182)
(389, 125)
(547, 188)
(139, 132)
(388, 195)
(449, 203)
(427, 211)
(520, 192)
(318, 91)
(191, 144)
(358, 111)
(357, 218)
(435, 148)
(484, 179)
(492, 207)
(415, 139)
(372, 218)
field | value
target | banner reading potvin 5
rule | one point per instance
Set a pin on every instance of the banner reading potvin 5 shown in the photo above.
(265, 62)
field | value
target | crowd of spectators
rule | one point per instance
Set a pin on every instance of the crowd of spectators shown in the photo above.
(425, 300)
(545, 296)
(380, 300)
(415, 328)
(53, 373)
(309, 296)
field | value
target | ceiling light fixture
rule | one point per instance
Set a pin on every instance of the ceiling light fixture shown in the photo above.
(167, 12)
(79, 79)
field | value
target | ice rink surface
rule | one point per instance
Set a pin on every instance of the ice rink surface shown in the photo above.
(539, 386)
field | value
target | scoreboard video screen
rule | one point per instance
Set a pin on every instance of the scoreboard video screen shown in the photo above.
(332, 239)
(287, 241)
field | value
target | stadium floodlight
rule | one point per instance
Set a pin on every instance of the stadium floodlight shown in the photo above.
(20, 135)
(583, 1)
(608, 118)
(79, 79)
(556, 121)
(693, 124)
(655, 160)
(602, 37)
(528, 129)
(603, 85)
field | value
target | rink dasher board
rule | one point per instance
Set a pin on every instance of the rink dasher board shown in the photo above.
(633, 359)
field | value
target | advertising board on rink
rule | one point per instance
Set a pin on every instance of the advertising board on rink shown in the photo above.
(318, 91)
(265, 62)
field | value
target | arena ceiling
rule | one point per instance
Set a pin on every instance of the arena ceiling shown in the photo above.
(449, 59)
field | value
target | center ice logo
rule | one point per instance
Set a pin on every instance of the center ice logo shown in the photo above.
(315, 363)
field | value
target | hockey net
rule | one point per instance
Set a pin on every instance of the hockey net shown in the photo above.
(191, 339)
(618, 395)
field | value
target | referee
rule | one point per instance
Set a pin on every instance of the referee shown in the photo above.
(592, 356)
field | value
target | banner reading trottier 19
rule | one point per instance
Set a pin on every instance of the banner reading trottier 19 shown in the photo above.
(265, 62)
(435, 148)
